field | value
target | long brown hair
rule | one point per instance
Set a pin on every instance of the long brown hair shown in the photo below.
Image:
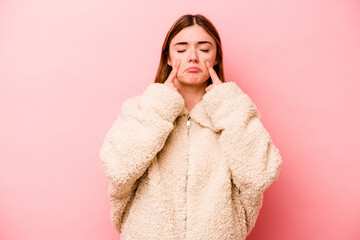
(185, 21)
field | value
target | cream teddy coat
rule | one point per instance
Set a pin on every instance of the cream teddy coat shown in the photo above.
(193, 175)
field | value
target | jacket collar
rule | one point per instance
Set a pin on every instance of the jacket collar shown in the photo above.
(199, 114)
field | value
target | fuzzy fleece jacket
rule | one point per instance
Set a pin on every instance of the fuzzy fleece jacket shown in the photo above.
(176, 174)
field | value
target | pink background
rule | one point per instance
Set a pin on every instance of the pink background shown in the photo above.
(67, 66)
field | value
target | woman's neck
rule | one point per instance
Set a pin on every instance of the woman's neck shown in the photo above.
(192, 94)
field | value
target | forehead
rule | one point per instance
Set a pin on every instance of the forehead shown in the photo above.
(192, 35)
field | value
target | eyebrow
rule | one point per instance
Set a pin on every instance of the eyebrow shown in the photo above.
(185, 43)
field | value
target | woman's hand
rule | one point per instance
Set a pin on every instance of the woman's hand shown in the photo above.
(214, 77)
(170, 81)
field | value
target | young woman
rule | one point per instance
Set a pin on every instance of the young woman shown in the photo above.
(189, 158)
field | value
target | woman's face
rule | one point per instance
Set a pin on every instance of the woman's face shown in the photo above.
(192, 46)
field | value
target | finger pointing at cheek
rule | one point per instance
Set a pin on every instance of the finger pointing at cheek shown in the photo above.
(170, 81)
(214, 77)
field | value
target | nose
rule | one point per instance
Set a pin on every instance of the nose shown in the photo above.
(193, 56)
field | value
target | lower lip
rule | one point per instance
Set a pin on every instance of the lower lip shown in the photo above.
(193, 70)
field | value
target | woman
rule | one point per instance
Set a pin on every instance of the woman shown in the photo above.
(189, 158)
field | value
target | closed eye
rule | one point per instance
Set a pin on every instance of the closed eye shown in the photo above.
(203, 50)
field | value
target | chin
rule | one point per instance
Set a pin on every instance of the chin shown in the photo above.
(194, 79)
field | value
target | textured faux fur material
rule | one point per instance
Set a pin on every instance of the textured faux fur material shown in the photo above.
(204, 181)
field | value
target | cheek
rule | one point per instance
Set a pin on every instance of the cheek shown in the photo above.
(177, 57)
(208, 57)
(211, 58)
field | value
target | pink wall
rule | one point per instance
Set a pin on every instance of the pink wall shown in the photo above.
(66, 67)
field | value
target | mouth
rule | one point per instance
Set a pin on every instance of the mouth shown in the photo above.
(193, 69)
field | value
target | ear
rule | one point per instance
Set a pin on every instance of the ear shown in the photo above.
(169, 61)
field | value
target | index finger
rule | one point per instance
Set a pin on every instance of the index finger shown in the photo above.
(213, 75)
(174, 71)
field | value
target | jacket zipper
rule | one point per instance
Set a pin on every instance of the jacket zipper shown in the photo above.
(188, 127)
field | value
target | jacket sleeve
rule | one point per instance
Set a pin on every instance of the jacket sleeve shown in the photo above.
(134, 139)
(252, 157)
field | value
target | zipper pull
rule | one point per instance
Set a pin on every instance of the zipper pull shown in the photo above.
(188, 121)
